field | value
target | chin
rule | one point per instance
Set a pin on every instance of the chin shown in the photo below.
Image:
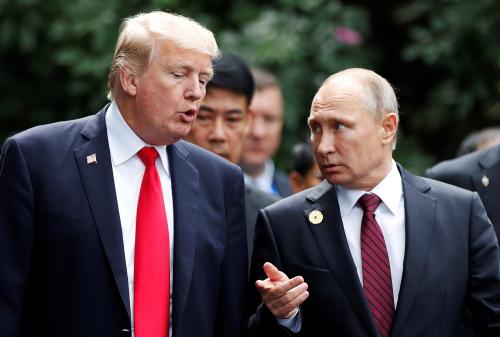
(255, 160)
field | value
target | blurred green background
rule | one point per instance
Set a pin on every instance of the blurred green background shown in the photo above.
(443, 58)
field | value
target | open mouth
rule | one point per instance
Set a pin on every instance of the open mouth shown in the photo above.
(188, 116)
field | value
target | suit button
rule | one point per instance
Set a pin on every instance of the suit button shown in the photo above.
(126, 332)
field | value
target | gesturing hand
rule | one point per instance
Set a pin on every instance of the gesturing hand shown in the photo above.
(281, 295)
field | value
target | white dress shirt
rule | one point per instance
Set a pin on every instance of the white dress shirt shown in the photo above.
(128, 171)
(390, 216)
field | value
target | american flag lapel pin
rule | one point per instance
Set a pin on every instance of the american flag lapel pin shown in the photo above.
(92, 159)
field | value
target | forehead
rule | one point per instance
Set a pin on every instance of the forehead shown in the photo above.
(172, 55)
(268, 100)
(337, 97)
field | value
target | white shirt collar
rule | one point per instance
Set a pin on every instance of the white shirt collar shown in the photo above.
(123, 142)
(389, 191)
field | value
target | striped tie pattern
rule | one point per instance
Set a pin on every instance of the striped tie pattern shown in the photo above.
(377, 282)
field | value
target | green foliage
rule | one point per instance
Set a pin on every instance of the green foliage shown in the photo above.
(443, 56)
(458, 43)
(297, 42)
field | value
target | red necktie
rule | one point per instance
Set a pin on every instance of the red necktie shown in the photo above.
(152, 255)
(377, 282)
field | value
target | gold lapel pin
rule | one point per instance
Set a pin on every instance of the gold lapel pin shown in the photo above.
(315, 217)
(92, 159)
(485, 180)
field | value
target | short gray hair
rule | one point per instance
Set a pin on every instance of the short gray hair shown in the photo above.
(138, 34)
(377, 92)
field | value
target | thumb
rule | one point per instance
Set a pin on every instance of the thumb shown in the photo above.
(274, 273)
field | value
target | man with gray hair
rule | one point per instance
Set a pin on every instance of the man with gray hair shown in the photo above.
(111, 225)
(373, 250)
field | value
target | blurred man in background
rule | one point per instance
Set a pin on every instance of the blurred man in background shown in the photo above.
(223, 122)
(264, 137)
(305, 172)
(479, 140)
(476, 171)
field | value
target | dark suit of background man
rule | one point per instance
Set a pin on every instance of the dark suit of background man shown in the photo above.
(424, 262)
(69, 194)
(223, 122)
(477, 171)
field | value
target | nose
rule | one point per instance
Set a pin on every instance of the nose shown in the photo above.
(195, 90)
(218, 133)
(326, 144)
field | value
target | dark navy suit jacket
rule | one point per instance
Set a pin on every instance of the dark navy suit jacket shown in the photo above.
(62, 264)
(451, 265)
(477, 171)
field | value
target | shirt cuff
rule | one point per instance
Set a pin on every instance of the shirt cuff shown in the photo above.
(293, 323)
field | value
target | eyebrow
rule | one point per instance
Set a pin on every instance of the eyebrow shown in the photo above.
(311, 119)
(234, 111)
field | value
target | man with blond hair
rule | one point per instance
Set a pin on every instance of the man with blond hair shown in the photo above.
(111, 225)
(372, 251)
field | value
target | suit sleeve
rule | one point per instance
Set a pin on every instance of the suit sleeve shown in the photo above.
(16, 236)
(260, 321)
(235, 265)
(484, 296)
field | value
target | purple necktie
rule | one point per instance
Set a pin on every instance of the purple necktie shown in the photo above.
(377, 282)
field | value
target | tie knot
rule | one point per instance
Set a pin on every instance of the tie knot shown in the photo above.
(369, 202)
(148, 155)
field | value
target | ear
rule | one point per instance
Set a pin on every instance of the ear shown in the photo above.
(296, 181)
(128, 81)
(389, 128)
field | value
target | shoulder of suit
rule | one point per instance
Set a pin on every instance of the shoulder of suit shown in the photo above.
(444, 188)
(55, 132)
(263, 197)
(460, 166)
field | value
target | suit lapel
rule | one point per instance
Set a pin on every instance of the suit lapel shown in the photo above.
(420, 218)
(98, 183)
(185, 189)
(331, 240)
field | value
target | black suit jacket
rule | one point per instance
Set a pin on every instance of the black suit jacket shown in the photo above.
(255, 200)
(451, 261)
(478, 171)
(62, 265)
